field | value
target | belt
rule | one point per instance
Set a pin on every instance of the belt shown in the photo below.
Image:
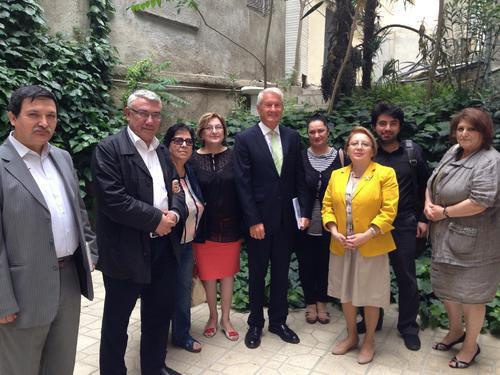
(64, 261)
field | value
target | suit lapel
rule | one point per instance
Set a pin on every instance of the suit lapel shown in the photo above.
(365, 179)
(285, 146)
(163, 157)
(130, 150)
(18, 169)
(342, 181)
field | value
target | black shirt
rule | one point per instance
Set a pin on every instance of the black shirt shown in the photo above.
(222, 216)
(411, 197)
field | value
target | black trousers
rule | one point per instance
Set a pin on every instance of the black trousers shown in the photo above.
(274, 249)
(157, 302)
(403, 263)
(313, 254)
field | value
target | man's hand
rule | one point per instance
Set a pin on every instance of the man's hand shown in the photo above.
(421, 229)
(304, 223)
(165, 225)
(172, 218)
(257, 231)
(8, 318)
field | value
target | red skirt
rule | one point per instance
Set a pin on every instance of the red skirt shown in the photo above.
(217, 260)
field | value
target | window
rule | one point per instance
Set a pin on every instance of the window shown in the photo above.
(259, 6)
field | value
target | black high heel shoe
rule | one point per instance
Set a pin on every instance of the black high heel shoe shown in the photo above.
(441, 346)
(455, 363)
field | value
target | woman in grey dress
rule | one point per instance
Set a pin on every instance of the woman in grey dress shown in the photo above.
(462, 202)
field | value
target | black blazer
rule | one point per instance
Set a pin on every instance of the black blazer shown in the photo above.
(265, 196)
(125, 212)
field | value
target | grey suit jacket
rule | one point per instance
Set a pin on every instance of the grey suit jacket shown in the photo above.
(29, 271)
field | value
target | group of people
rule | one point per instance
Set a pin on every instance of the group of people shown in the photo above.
(165, 209)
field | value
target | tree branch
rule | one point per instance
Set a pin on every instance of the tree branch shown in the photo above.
(404, 27)
(231, 40)
(347, 56)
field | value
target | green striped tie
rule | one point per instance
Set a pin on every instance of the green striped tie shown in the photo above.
(276, 151)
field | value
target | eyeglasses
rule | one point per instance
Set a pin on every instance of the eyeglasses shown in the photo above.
(360, 144)
(144, 115)
(214, 128)
(180, 141)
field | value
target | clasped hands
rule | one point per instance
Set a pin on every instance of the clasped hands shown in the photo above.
(167, 222)
(258, 232)
(433, 212)
(352, 241)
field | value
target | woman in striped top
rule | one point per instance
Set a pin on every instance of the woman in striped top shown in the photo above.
(313, 251)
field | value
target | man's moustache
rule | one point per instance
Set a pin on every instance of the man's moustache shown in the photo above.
(45, 130)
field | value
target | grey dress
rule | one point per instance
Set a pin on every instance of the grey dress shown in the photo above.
(465, 250)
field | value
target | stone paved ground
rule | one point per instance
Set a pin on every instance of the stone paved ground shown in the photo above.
(311, 356)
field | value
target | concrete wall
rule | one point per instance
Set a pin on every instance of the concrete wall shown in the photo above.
(205, 64)
(192, 47)
(65, 15)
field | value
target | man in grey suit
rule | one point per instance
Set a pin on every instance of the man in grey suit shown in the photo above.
(45, 237)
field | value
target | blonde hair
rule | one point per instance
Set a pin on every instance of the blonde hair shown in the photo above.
(269, 90)
(365, 131)
(203, 122)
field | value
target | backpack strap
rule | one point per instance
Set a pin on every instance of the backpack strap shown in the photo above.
(341, 157)
(410, 151)
(412, 160)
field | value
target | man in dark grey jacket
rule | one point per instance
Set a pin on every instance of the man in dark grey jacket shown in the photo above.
(137, 217)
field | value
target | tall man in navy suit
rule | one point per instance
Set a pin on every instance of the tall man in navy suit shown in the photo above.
(269, 174)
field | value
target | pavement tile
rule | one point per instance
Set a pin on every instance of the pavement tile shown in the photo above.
(312, 356)
(378, 369)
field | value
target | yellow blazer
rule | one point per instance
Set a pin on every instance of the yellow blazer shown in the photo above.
(375, 201)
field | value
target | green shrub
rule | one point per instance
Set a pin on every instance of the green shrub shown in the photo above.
(78, 72)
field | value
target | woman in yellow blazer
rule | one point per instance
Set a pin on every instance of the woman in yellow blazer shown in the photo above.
(359, 207)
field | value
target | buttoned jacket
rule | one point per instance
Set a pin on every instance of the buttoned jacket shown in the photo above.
(374, 201)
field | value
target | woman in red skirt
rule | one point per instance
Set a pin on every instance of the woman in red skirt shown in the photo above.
(217, 244)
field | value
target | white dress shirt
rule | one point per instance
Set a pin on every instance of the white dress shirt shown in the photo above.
(51, 184)
(150, 157)
(268, 134)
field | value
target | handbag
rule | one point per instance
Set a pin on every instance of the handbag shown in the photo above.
(198, 295)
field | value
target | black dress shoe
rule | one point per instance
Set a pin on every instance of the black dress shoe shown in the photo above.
(285, 333)
(168, 371)
(252, 338)
(412, 342)
(361, 328)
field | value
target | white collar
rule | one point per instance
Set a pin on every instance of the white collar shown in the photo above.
(136, 140)
(22, 150)
(265, 129)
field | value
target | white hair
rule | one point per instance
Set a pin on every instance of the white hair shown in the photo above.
(273, 90)
(146, 94)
